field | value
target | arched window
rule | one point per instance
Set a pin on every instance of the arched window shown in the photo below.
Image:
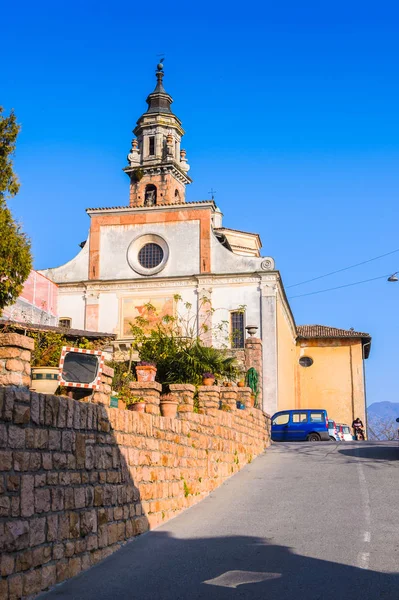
(150, 196)
(177, 195)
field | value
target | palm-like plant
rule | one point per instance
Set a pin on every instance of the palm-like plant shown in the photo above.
(180, 357)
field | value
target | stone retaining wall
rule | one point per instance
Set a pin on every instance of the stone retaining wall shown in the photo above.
(78, 479)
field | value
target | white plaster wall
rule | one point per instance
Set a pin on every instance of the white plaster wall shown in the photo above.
(72, 305)
(182, 239)
(76, 269)
(224, 261)
(231, 297)
(108, 313)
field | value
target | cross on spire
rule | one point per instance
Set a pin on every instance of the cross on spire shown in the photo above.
(212, 192)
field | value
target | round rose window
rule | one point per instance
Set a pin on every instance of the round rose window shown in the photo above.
(150, 256)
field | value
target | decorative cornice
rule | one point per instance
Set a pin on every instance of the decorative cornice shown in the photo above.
(161, 283)
(159, 169)
(158, 207)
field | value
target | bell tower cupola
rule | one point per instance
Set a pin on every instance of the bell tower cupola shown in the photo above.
(157, 164)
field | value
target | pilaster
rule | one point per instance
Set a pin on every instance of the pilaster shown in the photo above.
(268, 290)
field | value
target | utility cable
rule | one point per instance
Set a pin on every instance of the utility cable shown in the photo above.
(339, 287)
(364, 262)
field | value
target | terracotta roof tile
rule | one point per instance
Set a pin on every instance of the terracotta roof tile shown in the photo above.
(67, 332)
(323, 331)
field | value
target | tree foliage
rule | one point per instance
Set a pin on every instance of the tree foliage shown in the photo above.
(15, 258)
(382, 428)
(15, 250)
(174, 343)
(9, 130)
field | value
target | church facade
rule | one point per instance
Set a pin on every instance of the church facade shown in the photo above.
(160, 246)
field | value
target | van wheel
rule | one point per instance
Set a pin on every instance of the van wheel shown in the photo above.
(313, 437)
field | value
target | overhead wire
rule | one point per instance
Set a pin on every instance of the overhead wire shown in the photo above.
(344, 269)
(339, 287)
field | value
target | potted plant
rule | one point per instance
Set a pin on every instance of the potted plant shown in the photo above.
(241, 383)
(168, 404)
(134, 403)
(45, 361)
(208, 379)
(145, 371)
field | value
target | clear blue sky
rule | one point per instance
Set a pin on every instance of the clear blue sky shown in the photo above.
(291, 113)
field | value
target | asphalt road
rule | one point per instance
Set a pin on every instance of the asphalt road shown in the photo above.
(302, 521)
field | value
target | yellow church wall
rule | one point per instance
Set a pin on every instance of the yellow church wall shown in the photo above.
(286, 359)
(335, 379)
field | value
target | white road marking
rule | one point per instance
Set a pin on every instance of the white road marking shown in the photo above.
(232, 579)
(363, 559)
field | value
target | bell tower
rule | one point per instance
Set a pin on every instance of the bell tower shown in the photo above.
(157, 165)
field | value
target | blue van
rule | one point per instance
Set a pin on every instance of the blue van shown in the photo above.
(305, 424)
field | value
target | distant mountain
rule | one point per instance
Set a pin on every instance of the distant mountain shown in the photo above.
(382, 420)
(384, 410)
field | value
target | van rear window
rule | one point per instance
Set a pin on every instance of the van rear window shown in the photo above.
(299, 418)
(316, 417)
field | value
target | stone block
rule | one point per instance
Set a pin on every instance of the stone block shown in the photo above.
(32, 582)
(80, 497)
(21, 414)
(57, 499)
(37, 534)
(14, 364)
(7, 565)
(62, 569)
(4, 589)
(17, 341)
(3, 436)
(74, 525)
(20, 460)
(75, 566)
(35, 461)
(16, 437)
(41, 555)
(58, 551)
(16, 535)
(54, 440)
(24, 561)
(35, 408)
(88, 522)
(27, 495)
(15, 587)
(5, 460)
(52, 528)
(49, 576)
(42, 500)
(13, 483)
(5, 506)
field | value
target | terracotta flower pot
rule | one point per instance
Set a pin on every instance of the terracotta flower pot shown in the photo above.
(208, 381)
(146, 373)
(169, 408)
(241, 383)
(45, 379)
(137, 407)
